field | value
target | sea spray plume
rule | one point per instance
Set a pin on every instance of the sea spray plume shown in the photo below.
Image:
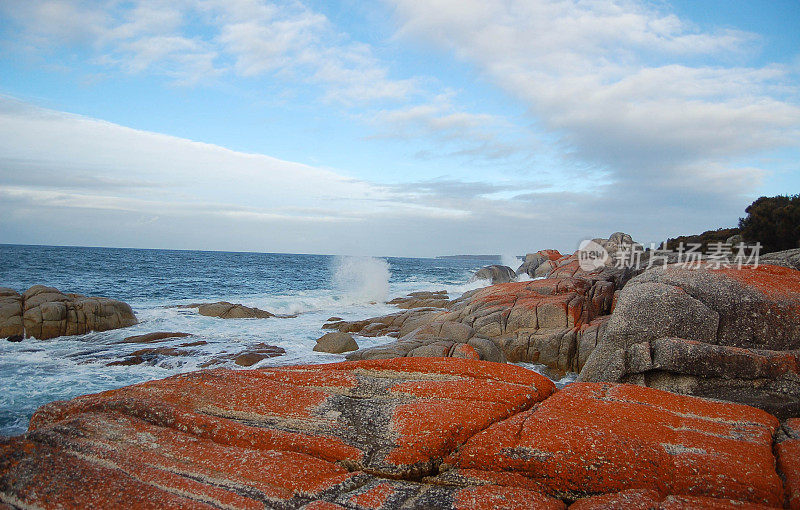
(361, 279)
(511, 261)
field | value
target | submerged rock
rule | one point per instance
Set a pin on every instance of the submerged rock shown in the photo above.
(496, 274)
(410, 433)
(149, 355)
(225, 310)
(149, 338)
(45, 312)
(336, 343)
(247, 357)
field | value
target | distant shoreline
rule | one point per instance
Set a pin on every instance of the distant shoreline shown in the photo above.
(471, 257)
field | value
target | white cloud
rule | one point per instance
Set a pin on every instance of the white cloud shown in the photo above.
(448, 131)
(282, 41)
(654, 125)
(625, 87)
(46, 155)
(289, 38)
(193, 41)
(67, 179)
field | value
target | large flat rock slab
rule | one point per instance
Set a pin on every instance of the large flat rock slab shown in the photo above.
(421, 433)
(285, 435)
(592, 438)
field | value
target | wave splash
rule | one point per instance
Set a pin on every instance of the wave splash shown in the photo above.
(512, 261)
(361, 279)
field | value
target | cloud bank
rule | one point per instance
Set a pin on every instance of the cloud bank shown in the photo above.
(627, 117)
(635, 94)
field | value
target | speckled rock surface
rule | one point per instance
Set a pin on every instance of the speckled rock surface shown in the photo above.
(732, 334)
(422, 433)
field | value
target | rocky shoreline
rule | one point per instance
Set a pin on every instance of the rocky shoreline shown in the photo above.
(731, 333)
(688, 397)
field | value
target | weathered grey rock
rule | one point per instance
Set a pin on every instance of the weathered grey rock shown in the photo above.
(225, 310)
(336, 343)
(533, 261)
(434, 349)
(487, 349)
(587, 341)
(10, 313)
(45, 312)
(395, 324)
(732, 334)
(787, 258)
(423, 299)
(419, 344)
(247, 357)
(149, 355)
(544, 269)
(621, 264)
(456, 331)
(496, 274)
(547, 321)
(735, 240)
(149, 338)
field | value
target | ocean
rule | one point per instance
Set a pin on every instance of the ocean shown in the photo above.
(153, 282)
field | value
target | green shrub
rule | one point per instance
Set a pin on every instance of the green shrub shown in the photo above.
(708, 237)
(774, 222)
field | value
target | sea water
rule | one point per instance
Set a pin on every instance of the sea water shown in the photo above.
(153, 282)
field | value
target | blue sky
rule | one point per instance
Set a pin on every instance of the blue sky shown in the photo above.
(397, 127)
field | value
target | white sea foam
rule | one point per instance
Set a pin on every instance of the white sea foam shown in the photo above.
(33, 373)
(361, 279)
(511, 261)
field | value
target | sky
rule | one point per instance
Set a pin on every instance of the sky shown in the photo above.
(392, 127)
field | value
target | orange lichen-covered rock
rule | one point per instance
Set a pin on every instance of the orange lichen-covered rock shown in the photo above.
(592, 439)
(279, 436)
(726, 333)
(533, 261)
(788, 452)
(789, 464)
(375, 497)
(495, 497)
(775, 281)
(423, 433)
(652, 500)
(540, 321)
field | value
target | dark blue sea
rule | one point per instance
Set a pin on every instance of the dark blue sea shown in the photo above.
(315, 287)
